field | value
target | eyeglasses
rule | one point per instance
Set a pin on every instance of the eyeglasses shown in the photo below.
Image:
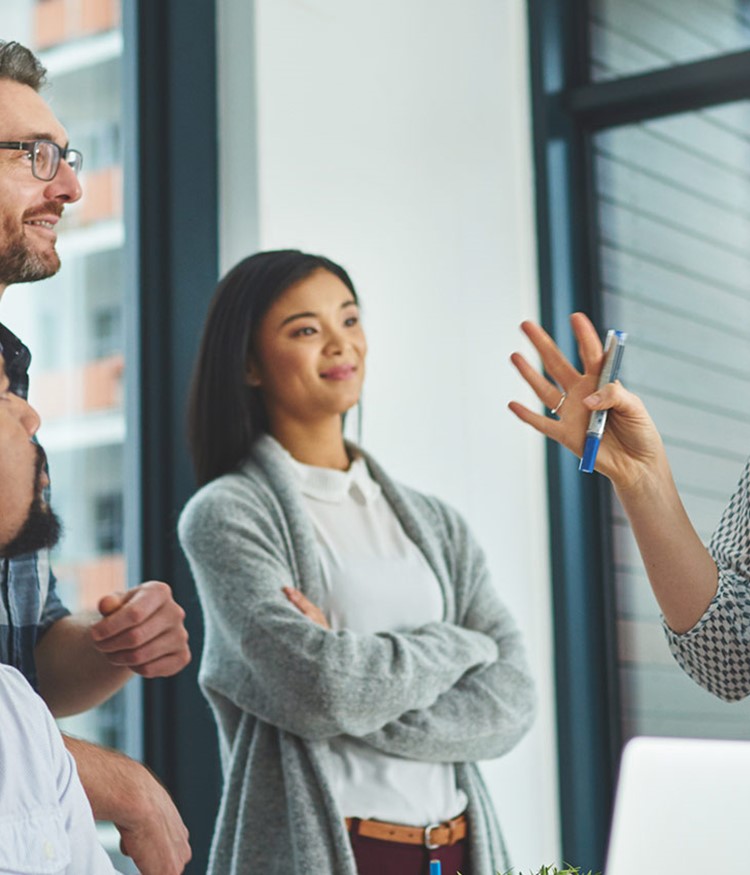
(45, 157)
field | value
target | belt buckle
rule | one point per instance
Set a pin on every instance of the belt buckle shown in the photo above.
(427, 830)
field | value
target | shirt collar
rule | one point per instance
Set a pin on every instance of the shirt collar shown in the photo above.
(331, 485)
(17, 360)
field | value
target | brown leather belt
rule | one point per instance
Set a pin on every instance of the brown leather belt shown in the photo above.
(434, 835)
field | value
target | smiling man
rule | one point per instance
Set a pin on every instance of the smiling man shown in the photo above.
(75, 661)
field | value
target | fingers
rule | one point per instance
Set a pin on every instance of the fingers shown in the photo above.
(545, 391)
(161, 656)
(298, 599)
(629, 420)
(153, 856)
(614, 396)
(305, 606)
(631, 444)
(568, 435)
(541, 423)
(159, 846)
(589, 344)
(108, 604)
(125, 610)
(555, 363)
(151, 829)
(144, 630)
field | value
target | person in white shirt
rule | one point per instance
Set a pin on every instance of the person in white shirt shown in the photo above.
(46, 824)
(357, 658)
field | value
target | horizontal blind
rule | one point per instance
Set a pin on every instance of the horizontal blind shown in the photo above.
(673, 200)
(633, 36)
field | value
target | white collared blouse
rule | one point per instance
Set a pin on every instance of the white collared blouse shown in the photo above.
(376, 580)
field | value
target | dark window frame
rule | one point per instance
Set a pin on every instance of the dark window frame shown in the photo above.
(566, 109)
(171, 210)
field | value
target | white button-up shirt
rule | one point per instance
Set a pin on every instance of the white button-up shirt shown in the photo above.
(377, 580)
(46, 825)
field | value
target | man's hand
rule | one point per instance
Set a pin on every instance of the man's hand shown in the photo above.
(157, 839)
(83, 659)
(126, 793)
(143, 629)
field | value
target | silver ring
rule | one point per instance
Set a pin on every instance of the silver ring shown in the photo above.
(556, 409)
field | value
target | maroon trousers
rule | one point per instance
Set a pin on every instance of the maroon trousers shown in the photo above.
(378, 857)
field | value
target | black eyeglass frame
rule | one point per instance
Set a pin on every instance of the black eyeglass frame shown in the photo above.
(63, 154)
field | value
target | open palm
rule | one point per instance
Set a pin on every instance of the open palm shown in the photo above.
(630, 443)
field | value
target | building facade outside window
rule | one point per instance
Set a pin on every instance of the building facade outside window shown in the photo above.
(73, 324)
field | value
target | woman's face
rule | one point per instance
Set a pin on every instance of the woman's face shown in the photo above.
(309, 358)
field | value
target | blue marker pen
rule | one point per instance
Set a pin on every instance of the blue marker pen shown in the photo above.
(614, 349)
(435, 867)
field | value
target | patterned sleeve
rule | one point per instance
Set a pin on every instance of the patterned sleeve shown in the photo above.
(716, 651)
(53, 608)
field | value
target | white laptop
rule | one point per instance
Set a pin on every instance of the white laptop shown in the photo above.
(682, 807)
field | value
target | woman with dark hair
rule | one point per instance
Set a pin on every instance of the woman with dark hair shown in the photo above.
(357, 658)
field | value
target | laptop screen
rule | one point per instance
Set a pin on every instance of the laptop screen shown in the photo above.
(682, 807)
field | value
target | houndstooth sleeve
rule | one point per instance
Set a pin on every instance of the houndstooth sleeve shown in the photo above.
(716, 651)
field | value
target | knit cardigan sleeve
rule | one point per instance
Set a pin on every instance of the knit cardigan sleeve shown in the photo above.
(268, 659)
(485, 713)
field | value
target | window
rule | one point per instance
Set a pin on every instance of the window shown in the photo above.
(108, 523)
(635, 36)
(72, 324)
(673, 212)
(642, 139)
(106, 336)
(115, 335)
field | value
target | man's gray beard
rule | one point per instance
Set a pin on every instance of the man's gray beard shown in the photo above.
(20, 265)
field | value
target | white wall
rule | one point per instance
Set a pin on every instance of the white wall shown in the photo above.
(394, 138)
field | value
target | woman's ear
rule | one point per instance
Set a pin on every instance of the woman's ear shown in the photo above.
(252, 374)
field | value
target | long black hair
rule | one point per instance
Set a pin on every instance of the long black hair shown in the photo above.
(225, 415)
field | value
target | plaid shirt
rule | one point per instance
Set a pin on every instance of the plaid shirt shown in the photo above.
(29, 603)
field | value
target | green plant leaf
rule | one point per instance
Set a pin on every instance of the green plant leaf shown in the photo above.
(552, 870)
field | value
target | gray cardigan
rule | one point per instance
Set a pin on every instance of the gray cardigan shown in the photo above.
(280, 686)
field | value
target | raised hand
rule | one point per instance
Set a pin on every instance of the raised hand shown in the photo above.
(631, 443)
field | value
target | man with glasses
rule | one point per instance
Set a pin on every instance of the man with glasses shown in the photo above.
(75, 661)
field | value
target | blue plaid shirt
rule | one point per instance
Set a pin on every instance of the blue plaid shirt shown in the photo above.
(29, 603)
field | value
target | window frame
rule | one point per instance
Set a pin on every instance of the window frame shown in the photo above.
(567, 108)
(171, 256)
